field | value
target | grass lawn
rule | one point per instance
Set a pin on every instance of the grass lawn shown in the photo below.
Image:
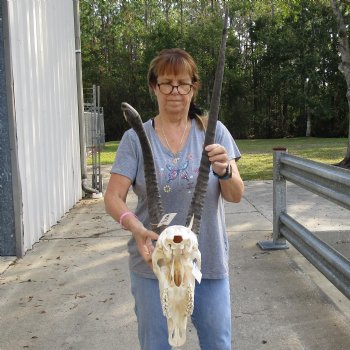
(256, 161)
(108, 153)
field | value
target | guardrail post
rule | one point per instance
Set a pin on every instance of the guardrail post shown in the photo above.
(279, 204)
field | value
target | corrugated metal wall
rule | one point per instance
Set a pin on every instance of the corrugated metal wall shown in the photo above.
(45, 99)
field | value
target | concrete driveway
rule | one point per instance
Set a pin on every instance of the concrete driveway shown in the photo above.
(71, 291)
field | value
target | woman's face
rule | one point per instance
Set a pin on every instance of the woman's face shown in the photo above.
(176, 102)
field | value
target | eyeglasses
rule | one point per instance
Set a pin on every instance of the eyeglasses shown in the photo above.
(167, 89)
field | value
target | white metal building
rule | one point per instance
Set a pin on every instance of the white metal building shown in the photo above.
(40, 174)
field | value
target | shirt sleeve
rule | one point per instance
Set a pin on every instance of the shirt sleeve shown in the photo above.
(126, 158)
(224, 138)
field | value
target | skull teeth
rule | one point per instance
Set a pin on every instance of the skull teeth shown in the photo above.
(165, 303)
(190, 302)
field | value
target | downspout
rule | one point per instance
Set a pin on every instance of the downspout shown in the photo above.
(84, 185)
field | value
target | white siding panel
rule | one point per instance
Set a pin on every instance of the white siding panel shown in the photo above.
(45, 97)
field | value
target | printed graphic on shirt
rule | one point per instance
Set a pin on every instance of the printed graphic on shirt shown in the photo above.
(179, 169)
(180, 174)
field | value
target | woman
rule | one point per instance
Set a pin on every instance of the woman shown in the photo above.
(177, 135)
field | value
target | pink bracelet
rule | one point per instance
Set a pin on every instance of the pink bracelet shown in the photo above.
(125, 214)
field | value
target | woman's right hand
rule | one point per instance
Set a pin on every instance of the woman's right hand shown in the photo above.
(115, 198)
(143, 239)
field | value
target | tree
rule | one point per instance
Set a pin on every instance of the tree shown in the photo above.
(344, 66)
(281, 61)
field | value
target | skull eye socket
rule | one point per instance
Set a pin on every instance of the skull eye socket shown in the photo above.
(177, 239)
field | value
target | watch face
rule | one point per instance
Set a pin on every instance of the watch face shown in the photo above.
(228, 173)
(229, 170)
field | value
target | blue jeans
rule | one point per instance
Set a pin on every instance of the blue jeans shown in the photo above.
(211, 315)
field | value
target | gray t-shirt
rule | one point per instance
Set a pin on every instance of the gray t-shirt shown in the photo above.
(177, 180)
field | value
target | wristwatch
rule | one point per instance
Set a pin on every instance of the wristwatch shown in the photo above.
(227, 175)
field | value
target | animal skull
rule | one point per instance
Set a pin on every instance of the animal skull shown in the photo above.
(173, 260)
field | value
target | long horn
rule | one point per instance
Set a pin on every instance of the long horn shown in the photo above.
(155, 208)
(197, 202)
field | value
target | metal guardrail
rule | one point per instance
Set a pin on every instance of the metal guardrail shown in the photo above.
(327, 181)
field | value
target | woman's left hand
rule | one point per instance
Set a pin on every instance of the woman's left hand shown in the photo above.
(232, 189)
(218, 157)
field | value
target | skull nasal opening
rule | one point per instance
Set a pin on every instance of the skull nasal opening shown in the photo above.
(177, 239)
